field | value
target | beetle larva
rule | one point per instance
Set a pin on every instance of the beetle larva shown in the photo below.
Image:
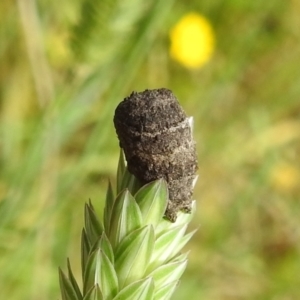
(156, 137)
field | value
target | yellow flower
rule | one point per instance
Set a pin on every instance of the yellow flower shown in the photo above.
(285, 177)
(192, 41)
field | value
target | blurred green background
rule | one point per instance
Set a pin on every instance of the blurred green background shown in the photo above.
(65, 65)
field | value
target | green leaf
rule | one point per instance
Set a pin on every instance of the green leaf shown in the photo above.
(120, 171)
(130, 182)
(109, 202)
(90, 278)
(182, 219)
(139, 290)
(180, 257)
(168, 273)
(125, 180)
(100, 270)
(93, 226)
(108, 280)
(85, 250)
(73, 281)
(152, 199)
(104, 244)
(133, 255)
(94, 294)
(165, 245)
(166, 291)
(183, 241)
(66, 288)
(126, 217)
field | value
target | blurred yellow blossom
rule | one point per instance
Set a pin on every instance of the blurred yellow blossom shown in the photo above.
(192, 40)
(285, 177)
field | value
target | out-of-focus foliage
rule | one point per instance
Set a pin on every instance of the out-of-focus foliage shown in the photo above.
(64, 66)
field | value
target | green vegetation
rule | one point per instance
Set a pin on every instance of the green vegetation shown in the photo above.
(65, 65)
(134, 253)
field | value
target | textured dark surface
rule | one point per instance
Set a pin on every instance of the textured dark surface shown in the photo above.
(155, 135)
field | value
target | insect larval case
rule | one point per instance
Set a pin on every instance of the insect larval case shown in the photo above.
(156, 137)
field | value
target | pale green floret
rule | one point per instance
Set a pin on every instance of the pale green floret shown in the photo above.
(135, 253)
